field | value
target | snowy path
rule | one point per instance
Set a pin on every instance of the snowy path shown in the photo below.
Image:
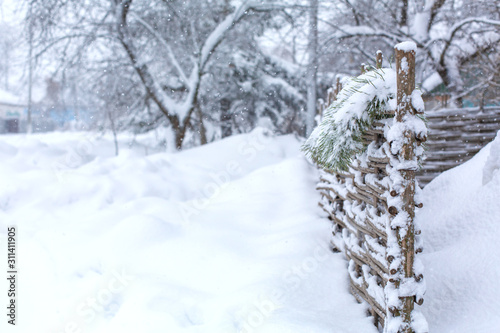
(222, 238)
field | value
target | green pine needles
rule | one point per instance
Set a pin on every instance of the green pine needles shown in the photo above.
(362, 101)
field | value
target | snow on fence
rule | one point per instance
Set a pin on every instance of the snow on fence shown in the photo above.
(372, 201)
(455, 135)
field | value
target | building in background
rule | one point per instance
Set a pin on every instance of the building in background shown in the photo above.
(49, 112)
(12, 112)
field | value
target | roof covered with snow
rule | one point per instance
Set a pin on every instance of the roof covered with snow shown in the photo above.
(9, 98)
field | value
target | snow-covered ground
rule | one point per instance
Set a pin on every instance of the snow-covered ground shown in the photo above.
(461, 228)
(222, 238)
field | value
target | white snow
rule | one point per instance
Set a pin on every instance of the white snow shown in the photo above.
(460, 224)
(221, 238)
(274, 83)
(9, 98)
(406, 46)
(404, 65)
(492, 165)
(420, 25)
(227, 237)
(417, 102)
(432, 82)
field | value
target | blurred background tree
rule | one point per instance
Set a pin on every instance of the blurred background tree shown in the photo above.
(209, 69)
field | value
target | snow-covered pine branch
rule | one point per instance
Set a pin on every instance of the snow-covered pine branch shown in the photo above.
(362, 101)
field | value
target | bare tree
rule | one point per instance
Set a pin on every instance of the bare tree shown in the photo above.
(449, 34)
(168, 45)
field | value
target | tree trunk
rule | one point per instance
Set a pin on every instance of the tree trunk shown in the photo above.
(225, 118)
(203, 130)
(312, 67)
(404, 13)
(180, 132)
(29, 128)
(113, 128)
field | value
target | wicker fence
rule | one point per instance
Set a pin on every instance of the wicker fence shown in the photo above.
(362, 241)
(455, 136)
(360, 203)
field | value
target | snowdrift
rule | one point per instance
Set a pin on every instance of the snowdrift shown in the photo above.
(461, 226)
(226, 237)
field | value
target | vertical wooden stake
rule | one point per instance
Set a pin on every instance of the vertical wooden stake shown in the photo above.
(319, 107)
(379, 59)
(338, 87)
(405, 69)
(331, 96)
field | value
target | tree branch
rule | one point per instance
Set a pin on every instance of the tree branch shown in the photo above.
(170, 53)
(149, 83)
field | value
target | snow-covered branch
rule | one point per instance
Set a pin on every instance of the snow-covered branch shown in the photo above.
(218, 34)
(162, 40)
(164, 102)
(348, 31)
(459, 25)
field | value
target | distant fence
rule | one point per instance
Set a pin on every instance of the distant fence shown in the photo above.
(372, 206)
(455, 136)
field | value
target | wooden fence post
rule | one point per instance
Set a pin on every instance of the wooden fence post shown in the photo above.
(379, 59)
(338, 87)
(320, 107)
(405, 69)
